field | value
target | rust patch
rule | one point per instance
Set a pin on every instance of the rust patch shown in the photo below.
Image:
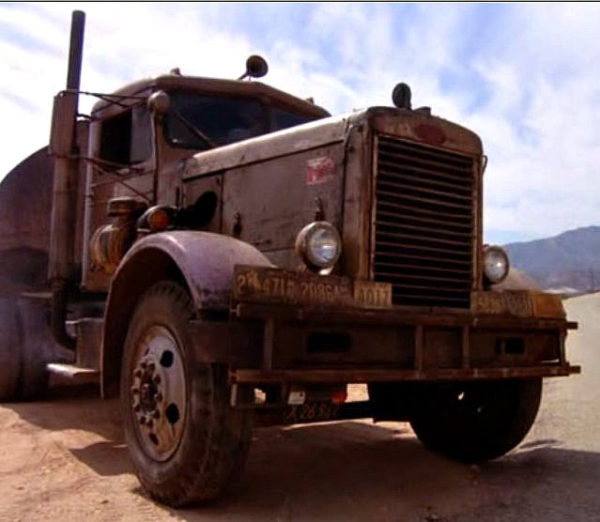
(548, 305)
(430, 134)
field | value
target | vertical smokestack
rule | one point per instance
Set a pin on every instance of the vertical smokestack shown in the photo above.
(75, 50)
(64, 192)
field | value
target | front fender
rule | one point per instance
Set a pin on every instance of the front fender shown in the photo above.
(202, 261)
(205, 260)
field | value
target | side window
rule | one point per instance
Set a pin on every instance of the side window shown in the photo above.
(126, 139)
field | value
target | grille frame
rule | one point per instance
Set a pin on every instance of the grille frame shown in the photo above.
(422, 192)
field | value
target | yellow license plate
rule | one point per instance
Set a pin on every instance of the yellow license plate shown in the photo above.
(273, 285)
(368, 294)
(513, 303)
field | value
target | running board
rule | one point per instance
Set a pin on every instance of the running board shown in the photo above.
(69, 373)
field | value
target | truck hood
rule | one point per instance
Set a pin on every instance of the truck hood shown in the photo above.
(327, 131)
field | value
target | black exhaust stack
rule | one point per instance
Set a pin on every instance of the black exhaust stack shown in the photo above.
(63, 146)
(75, 50)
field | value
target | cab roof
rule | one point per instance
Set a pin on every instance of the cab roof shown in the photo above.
(245, 88)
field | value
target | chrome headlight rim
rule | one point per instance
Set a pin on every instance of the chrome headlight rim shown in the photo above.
(306, 250)
(495, 250)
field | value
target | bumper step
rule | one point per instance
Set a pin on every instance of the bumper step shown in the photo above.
(69, 373)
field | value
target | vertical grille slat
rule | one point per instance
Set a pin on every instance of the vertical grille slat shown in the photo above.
(423, 223)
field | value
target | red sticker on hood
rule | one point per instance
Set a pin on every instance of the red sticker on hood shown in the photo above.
(319, 170)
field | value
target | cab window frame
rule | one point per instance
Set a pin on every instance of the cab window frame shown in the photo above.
(126, 138)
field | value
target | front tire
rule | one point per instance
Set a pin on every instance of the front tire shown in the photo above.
(476, 421)
(186, 442)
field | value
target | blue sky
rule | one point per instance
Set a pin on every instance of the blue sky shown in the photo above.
(525, 77)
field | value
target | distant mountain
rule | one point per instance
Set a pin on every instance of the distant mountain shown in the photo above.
(571, 259)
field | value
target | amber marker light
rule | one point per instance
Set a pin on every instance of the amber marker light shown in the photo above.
(157, 218)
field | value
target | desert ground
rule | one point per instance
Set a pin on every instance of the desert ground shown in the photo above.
(64, 459)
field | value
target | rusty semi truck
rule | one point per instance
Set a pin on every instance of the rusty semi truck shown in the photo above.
(220, 253)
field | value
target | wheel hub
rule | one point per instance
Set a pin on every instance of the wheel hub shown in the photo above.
(157, 393)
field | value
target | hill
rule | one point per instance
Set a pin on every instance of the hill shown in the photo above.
(571, 259)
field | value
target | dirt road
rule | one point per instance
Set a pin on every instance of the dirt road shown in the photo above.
(64, 459)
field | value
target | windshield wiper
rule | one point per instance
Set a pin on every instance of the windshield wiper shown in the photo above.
(193, 129)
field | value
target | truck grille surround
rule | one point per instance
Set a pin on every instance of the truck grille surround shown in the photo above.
(423, 223)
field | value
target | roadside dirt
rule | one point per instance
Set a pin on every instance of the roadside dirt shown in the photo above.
(64, 459)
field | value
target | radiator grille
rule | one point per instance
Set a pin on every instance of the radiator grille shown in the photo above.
(424, 224)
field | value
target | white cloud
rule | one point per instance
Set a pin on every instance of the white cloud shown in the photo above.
(539, 124)
(525, 77)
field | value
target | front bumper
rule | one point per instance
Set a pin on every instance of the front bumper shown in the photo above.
(338, 334)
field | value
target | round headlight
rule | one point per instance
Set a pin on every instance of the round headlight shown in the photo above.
(319, 244)
(495, 264)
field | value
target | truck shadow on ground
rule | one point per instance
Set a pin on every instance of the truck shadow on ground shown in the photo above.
(356, 471)
(79, 408)
(546, 483)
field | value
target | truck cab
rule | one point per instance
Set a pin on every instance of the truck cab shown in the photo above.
(141, 136)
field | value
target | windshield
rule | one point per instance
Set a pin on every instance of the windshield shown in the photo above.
(203, 121)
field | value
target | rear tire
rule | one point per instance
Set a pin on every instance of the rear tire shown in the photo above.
(26, 346)
(186, 442)
(37, 348)
(476, 421)
(10, 349)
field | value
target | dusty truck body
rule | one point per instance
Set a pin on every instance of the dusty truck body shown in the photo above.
(220, 252)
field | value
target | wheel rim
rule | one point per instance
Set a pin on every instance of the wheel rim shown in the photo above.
(158, 393)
